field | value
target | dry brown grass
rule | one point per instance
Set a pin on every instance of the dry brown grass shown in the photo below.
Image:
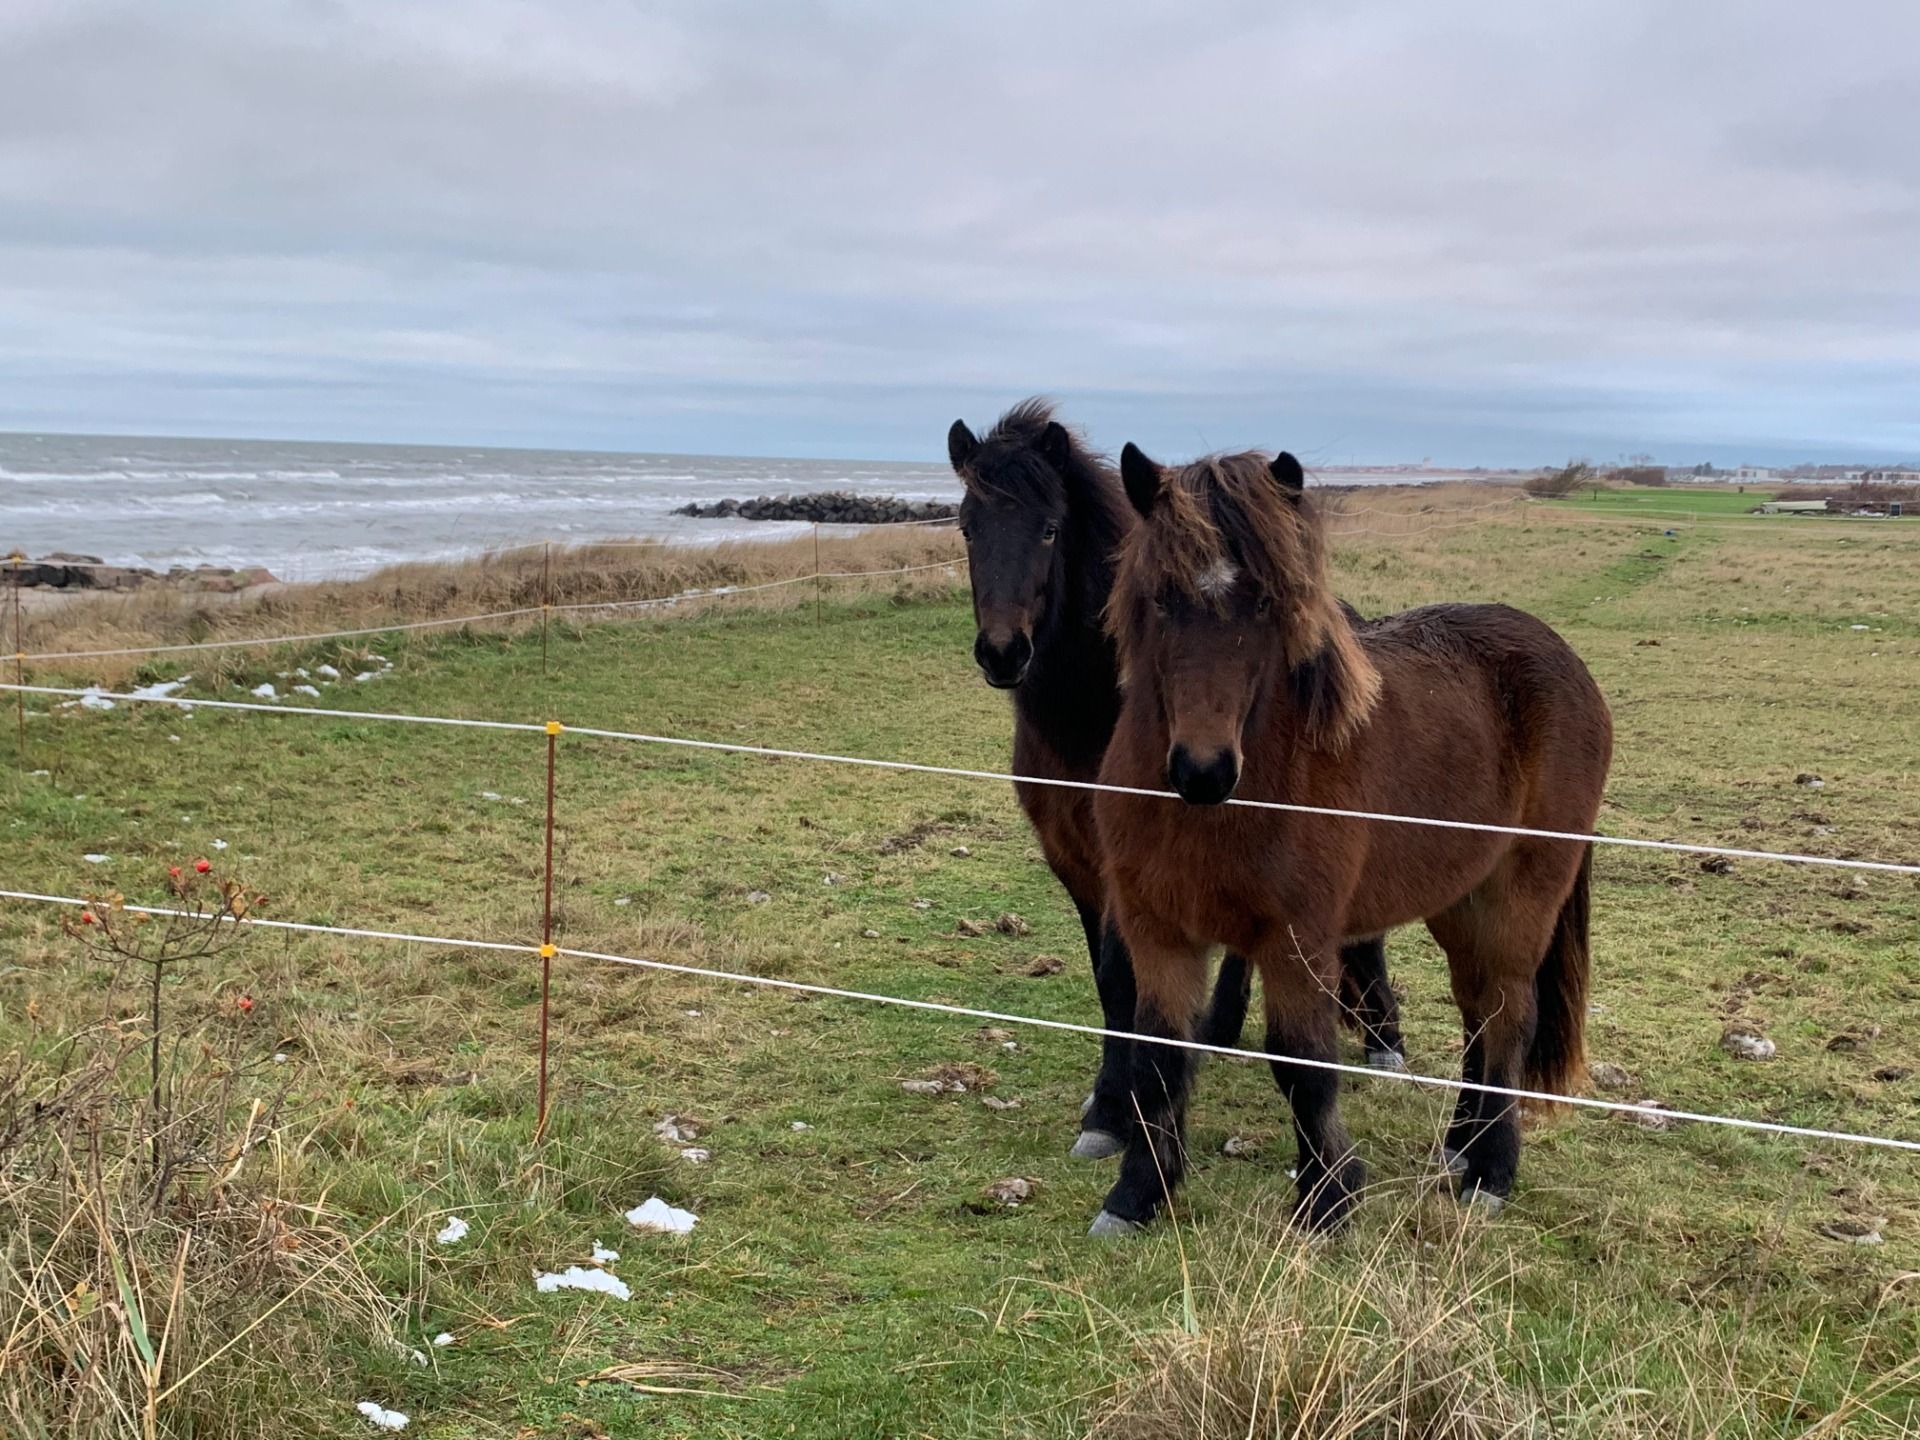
(1427, 1335)
(521, 579)
(161, 1276)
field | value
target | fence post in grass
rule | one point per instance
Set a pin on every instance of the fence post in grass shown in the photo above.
(547, 949)
(816, 572)
(546, 601)
(19, 657)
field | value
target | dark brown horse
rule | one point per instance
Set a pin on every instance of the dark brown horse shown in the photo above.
(1242, 675)
(1043, 517)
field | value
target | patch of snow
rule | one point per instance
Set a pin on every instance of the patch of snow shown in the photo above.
(92, 698)
(453, 1232)
(443, 1338)
(696, 1155)
(366, 675)
(799, 1125)
(96, 859)
(306, 690)
(578, 1277)
(602, 1255)
(326, 672)
(624, 900)
(381, 1419)
(160, 689)
(266, 691)
(218, 844)
(279, 1057)
(657, 1215)
(301, 673)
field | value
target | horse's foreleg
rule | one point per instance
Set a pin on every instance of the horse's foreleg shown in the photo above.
(1170, 983)
(1107, 1117)
(1302, 1026)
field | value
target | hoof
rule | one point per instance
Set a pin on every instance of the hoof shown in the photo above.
(1454, 1162)
(1386, 1060)
(1097, 1145)
(1482, 1202)
(1107, 1225)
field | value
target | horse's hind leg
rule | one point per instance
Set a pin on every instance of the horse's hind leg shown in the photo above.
(1171, 982)
(1494, 941)
(1366, 995)
(1302, 1027)
(1107, 1117)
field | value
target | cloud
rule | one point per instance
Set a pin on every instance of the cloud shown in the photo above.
(1381, 229)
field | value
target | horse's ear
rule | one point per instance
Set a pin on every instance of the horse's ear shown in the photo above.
(1141, 477)
(961, 444)
(1056, 446)
(1288, 475)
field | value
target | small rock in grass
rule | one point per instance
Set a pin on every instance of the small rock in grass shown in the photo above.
(1891, 1073)
(443, 1339)
(1012, 1192)
(1854, 1231)
(969, 928)
(1745, 1045)
(1045, 965)
(993, 1033)
(658, 1216)
(579, 1277)
(1809, 779)
(923, 1087)
(994, 1102)
(799, 1125)
(1716, 865)
(1647, 1117)
(1240, 1147)
(869, 934)
(923, 904)
(1609, 1076)
(960, 852)
(624, 900)
(758, 897)
(678, 1129)
(96, 859)
(832, 879)
(1011, 924)
(696, 1155)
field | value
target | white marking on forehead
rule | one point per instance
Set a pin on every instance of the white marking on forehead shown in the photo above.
(1217, 578)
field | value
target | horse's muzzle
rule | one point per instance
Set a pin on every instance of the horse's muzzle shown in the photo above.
(1004, 664)
(1203, 782)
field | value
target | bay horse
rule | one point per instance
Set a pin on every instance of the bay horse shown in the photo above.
(1242, 675)
(1043, 516)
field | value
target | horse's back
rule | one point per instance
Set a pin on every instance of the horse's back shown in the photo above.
(1553, 710)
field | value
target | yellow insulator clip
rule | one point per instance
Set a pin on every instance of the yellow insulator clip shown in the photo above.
(554, 727)
(549, 950)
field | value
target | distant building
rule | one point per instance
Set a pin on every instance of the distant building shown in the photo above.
(1753, 472)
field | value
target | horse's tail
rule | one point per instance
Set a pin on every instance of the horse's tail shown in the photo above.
(1557, 1060)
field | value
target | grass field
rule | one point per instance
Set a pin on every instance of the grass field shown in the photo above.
(853, 1277)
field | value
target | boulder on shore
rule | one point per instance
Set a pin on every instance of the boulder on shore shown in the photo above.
(62, 570)
(828, 507)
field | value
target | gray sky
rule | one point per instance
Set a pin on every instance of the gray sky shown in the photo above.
(1498, 233)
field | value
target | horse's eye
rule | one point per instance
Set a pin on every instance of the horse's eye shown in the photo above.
(966, 533)
(1263, 606)
(1051, 533)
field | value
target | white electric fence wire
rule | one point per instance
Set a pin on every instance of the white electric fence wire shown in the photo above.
(1657, 1113)
(957, 772)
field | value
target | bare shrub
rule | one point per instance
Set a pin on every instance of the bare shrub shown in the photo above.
(1556, 484)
